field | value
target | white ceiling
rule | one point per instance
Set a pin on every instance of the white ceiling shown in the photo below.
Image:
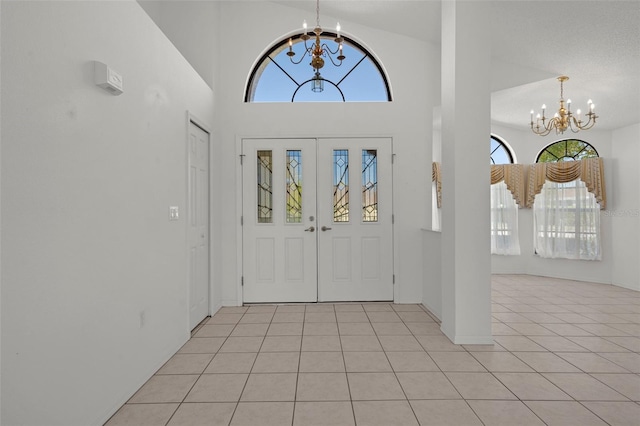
(595, 43)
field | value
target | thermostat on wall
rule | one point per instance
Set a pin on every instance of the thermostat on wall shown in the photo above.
(108, 79)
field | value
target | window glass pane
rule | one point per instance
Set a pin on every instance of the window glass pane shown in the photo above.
(267, 91)
(499, 152)
(340, 185)
(329, 94)
(265, 187)
(294, 186)
(566, 150)
(364, 83)
(369, 185)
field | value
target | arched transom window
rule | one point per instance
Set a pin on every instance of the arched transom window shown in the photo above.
(276, 78)
(566, 150)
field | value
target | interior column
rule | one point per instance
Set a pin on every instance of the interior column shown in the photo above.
(466, 128)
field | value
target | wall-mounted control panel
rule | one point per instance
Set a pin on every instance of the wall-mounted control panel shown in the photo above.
(108, 79)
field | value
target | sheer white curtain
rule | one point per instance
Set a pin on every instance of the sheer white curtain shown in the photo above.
(504, 221)
(435, 211)
(566, 222)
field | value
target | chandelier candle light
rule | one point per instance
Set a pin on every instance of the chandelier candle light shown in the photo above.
(318, 51)
(563, 119)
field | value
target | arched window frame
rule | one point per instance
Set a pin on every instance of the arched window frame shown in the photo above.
(502, 144)
(277, 48)
(568, 156)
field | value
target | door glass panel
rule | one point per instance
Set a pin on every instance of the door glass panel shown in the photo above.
(369, 185)
(294, 186)
(265, 187)
(340, 185)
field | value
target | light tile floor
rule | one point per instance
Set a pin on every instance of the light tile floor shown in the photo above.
(565, 353)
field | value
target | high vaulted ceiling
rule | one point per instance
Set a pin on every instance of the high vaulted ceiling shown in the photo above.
(595, 43)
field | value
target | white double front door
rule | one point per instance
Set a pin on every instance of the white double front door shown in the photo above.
(317, 220)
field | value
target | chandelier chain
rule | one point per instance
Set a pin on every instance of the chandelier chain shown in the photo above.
(318, 13)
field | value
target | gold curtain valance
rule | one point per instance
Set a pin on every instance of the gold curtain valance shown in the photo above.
(436, 177)
(513, 176)
(589, 170)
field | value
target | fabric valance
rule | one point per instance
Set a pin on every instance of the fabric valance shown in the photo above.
(525, 182)
(436, 177)
(513, 177)
(589, 170)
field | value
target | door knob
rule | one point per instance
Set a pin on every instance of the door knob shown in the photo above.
(325, 228)
(310, 229)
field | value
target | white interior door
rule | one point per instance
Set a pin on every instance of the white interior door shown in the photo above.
(279, 227)
(198, 224)
(317, 220)
(355, 239)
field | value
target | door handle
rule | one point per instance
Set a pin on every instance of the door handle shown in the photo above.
(325, 228)
(310, 229)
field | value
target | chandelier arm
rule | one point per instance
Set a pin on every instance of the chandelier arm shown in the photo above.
(590, 123)
(580, 126)
(304, 55)
(328, 49)
(537, 131)
(306, 47)
(548, 127)
(337, 64)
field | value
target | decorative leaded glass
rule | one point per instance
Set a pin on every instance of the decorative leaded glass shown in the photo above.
(369, 185)
(265, 187)
(294, 186)
(340, 185)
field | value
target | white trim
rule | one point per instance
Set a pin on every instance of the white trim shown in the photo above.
(473, 340)
(467, 340)
(239, 211)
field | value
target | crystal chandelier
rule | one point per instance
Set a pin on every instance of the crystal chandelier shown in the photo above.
(563, 119)
(318, 51)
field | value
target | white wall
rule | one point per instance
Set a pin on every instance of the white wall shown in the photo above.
(87, 178)
(1, 316)
(191, 28)
(624, 207)
(432, 271)
(415, 91)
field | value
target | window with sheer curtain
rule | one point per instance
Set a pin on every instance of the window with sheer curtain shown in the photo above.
(566, 216)
(504, 221)
(566, 221)
(504, 210)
